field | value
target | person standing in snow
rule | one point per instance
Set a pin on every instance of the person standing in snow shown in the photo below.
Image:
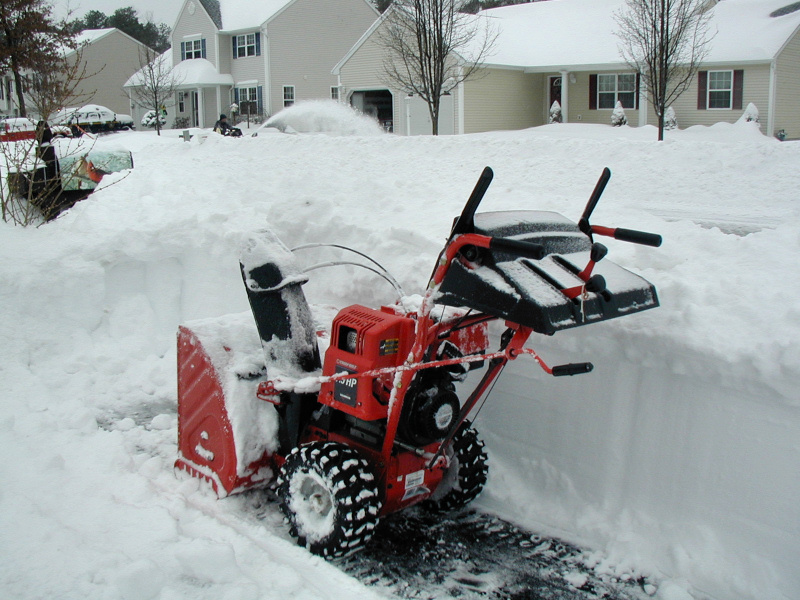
(224, 128)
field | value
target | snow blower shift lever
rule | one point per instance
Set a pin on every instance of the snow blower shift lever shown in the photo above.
(381, 427)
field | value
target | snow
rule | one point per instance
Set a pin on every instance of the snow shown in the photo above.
(324, 116)
(243, 14)
(579, 34)
(675, 458)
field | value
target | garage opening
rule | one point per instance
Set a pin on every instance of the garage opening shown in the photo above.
(376, 103)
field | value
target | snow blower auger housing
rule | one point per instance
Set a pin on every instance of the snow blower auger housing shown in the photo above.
(374, 424)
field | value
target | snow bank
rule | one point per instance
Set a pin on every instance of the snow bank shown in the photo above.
(324, 116)
(677, 457)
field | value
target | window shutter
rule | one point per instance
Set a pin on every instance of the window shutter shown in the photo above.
(183, 50)
(593, 92)
(702, 89)
(260, 100)
(236, 96)
(203, 47)
(638, 90)
(738, 88)
(258, 43)
(235, 48)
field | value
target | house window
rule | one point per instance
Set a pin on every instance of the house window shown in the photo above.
(334, 92)
(181, 102)
(246, 45)
(248, 101)
(720, 89)
(193, 49)
(616, 88)
(288, 95)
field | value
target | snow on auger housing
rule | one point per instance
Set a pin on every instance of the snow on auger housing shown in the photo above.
(375, 425)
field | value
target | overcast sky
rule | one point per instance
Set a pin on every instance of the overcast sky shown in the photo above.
(162, 11)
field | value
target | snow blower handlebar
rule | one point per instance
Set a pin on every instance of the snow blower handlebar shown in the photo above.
(618, 233)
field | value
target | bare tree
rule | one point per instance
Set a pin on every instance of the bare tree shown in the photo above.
(59, 85)
(30, 41)
(154, 85)
(432, 46)
(664, 41)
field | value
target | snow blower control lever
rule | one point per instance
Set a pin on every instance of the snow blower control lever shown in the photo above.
(374, 424)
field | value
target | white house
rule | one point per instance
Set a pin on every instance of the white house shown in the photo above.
(567, 50)
(262, 55)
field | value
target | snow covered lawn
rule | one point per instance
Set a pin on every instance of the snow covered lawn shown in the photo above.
(676, 458)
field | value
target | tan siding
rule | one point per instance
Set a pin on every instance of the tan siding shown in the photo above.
(307, 40)
(210, 113)
(363, 71)
(191, 25)
(755, 89)
(110, 61)
(502, 99)
(578, 100)
(246, 68)
(787, 84)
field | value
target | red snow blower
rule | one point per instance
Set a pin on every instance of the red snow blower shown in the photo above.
(376, 425)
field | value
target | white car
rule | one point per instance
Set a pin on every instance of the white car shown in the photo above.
(93, 118)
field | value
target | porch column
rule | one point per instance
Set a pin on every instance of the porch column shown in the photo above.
(564, 96)
(200, 108)
(643, 105)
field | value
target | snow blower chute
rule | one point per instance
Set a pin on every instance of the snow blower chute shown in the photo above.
(376, 426)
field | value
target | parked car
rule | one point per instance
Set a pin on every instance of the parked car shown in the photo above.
(93, 118)
(14, 129)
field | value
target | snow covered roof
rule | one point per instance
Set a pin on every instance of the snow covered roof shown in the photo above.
(87, 36)
(570, 34)
(246, 14)
(199, 72)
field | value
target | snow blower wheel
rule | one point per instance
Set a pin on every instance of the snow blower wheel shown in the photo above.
(466, 475)
(330, 498)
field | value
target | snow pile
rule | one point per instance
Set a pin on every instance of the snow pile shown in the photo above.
(324, 116)
(675, 458)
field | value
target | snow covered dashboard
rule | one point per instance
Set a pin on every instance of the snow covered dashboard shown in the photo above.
(532, 292)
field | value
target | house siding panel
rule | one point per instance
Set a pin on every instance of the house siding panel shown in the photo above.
(755, 89)
(110, 61)
(246, 68)
(190, 25)
(500, 99)
(305, 42)
(787, 90)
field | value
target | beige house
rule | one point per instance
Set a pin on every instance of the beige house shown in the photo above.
(110, 57)
(261, 55)
(567, 51)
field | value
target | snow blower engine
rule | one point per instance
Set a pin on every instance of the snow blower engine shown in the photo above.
(376, 425)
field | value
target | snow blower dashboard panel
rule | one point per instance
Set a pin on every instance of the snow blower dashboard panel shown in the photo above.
(532, 292)
(364, 339)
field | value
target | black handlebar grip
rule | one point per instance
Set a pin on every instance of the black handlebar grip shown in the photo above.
(637, 237)
(596, 193)
(466, 222)
(572, 369)
(526, 249)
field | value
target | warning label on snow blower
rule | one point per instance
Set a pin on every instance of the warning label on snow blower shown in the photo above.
(390, 346)
(345, 390)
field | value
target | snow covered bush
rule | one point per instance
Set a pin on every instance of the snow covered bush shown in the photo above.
(618, 118)
(555, 113)
(750, 114)
(324, 116)
(670, 120)
(149, 119)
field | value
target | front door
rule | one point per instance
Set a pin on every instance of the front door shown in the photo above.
(555, 91)
(195, 110)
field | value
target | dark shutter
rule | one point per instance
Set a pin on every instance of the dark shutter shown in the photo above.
(236, 96)
(702, 89)
(593, 92)
(203, 47)
(258, 43)
(183, 50)
(638, 90)
(235, 48)
(260, 100)
(738, 89)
